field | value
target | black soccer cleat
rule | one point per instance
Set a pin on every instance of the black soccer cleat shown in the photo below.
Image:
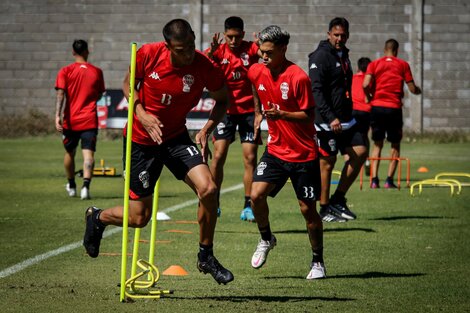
(212, 266)
(93, 232)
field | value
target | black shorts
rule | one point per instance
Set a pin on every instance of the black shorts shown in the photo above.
(330, 143)
(179, 155)
(227, 128)
(71, 138)
(363, 120)
(305, 176)
(386, 122)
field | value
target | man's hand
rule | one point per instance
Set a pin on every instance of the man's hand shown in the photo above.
(201, 140)
(273, 112)
(216, 41)
(335, 126)
(58, 124)
(257, 125)
(152, 125)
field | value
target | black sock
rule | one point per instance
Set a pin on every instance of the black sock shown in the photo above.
(247, 202)
(389, 179)
(338, 195)
(204, 252)
(86, 182)
(72, 183)
(97, 219)
(265, 233)
(317, 255)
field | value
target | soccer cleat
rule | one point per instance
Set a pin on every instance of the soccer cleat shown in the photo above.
(339, 208)
(317, 271)
(71, 191)
(93, 232)
(85, 193)
(261, 253)
(389, 184)
(375, 183)
(327, 215)
(247, 215)
(212, 266)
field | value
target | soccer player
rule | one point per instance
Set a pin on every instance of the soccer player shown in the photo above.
(79, 85)
(170, 77)
(235, 57)
(283, 95)
(387, 74)
(331, 75)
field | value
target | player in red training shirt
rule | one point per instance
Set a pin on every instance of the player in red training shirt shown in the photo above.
(283, 95)
(235, 57)
(387, 74)
(79, 85)
(170, 78)
(361, 106)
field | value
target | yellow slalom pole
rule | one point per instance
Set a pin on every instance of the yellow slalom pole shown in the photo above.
(125, 222)
(135, 251)
(153, 231)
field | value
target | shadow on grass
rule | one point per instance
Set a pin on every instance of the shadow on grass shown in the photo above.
(413, 217)
(366, 275)
(265, 298)
(304, 231)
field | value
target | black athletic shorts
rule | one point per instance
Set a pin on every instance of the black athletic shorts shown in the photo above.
(71, 138)
(386, 122)
(227, 128)
(179, 155)
(330, 143)
(305, 176)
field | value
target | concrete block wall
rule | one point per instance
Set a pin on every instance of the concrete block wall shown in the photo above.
(36, 38)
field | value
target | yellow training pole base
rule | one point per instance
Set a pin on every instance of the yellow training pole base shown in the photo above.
(138, 288)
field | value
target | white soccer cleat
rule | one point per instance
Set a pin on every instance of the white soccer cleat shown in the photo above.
(85, 194)
(262, 250)
(72, 192)
(317, 271)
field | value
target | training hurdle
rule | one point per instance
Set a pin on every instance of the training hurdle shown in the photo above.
(139, 284)
(399, 167)
(443, 179)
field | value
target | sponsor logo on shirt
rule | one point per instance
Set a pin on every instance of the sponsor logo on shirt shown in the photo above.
(338, 64)
(155, 76)
(261, 87)
(225, 61)
(284, 90)
(83, 66)
(313, 66)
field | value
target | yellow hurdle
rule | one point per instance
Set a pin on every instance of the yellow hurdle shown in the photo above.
(437, 182)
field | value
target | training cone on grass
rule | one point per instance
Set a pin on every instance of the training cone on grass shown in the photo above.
(423, 169)
(175, 270)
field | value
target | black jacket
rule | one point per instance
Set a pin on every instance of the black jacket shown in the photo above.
(331, 83)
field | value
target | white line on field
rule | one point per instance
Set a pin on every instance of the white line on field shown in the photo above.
(41, 257)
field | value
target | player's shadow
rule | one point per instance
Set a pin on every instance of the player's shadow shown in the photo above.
(277, 298)
(304, 231)
(411, 217)
(365, 275)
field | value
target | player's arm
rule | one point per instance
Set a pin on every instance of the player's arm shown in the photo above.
(366, 85)
(59, 105)
(258, 113)
(217, 113)
(274, 113)
(413, 88)
(150, 122)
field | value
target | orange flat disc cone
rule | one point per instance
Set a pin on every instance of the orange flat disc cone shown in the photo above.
(423, 169)
(175, 270)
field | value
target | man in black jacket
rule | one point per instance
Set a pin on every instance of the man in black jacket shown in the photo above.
(331, 75)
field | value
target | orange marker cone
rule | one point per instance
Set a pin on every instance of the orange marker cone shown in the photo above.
(175, 270)
(423, 169)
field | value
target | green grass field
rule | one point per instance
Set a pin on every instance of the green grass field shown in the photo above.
(402, 254)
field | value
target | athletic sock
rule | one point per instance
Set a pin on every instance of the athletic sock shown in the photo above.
(204, 252)
(98, 221)
(72, 183)
(86, 182)
(265, 232)
(317, 255)
(338, 195)
(247, 202)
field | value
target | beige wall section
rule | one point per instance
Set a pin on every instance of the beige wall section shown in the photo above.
(36, 38)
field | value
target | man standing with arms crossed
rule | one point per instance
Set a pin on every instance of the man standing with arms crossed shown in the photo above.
(170, 77)
(79, 85)
(331, 75)
(235, 57)
(388, 75)
(283, 95)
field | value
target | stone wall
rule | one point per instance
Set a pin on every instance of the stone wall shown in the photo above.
(36, 39)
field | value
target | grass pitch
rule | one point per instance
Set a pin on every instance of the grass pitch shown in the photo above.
(402, 254)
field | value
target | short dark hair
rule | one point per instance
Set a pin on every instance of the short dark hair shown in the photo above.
(362, 64)
(234, 22)
(80, 46)
(341, 21)
(392, 45)
(177, 29)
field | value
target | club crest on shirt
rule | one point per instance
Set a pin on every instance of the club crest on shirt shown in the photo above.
(245, 58)
(188, 80)
(284, 90)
